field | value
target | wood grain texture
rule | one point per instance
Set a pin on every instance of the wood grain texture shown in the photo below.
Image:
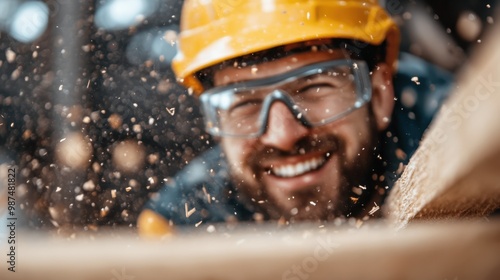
(421, 251)
(455, 173)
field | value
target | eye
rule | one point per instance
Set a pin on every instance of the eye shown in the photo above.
(245, 107)
(340, 79)
(314, 90)
(323, 82)
(315, 87)
(244, 103)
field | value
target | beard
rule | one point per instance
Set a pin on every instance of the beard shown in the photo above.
(345, 193)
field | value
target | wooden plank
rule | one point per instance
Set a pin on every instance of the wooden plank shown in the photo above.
(455, 171)
(422, 251)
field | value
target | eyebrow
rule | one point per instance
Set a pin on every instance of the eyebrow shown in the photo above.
(372, 54)
(281, 77)
(246, 69)
(275, 54)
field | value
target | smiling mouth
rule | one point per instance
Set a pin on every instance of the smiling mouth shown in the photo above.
(299, 168)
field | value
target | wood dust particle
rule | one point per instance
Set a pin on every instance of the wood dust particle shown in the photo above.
(189, 212)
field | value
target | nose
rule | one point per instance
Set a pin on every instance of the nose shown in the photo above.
(283, 129)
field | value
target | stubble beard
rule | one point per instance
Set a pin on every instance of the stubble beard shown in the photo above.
(318, 203)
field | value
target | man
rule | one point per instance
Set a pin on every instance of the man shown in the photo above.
(300, 96)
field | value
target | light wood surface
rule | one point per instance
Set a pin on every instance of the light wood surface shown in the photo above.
(423, 251)
(455, 173)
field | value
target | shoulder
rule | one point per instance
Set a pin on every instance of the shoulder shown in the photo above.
(201, 192)
(420, 89)
(420, 85)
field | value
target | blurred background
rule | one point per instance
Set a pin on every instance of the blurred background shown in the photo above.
(91, 116)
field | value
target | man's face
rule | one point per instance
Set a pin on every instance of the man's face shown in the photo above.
(299, 172)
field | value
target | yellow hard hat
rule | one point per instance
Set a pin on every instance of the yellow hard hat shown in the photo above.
(213, 31)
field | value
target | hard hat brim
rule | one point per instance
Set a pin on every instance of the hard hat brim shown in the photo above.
(253, 31)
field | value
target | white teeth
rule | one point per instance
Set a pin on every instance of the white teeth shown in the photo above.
(300, 168)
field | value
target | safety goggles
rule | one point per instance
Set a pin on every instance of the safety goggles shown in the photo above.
(315, 94)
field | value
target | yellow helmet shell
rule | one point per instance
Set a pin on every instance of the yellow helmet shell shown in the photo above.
(213, 31)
